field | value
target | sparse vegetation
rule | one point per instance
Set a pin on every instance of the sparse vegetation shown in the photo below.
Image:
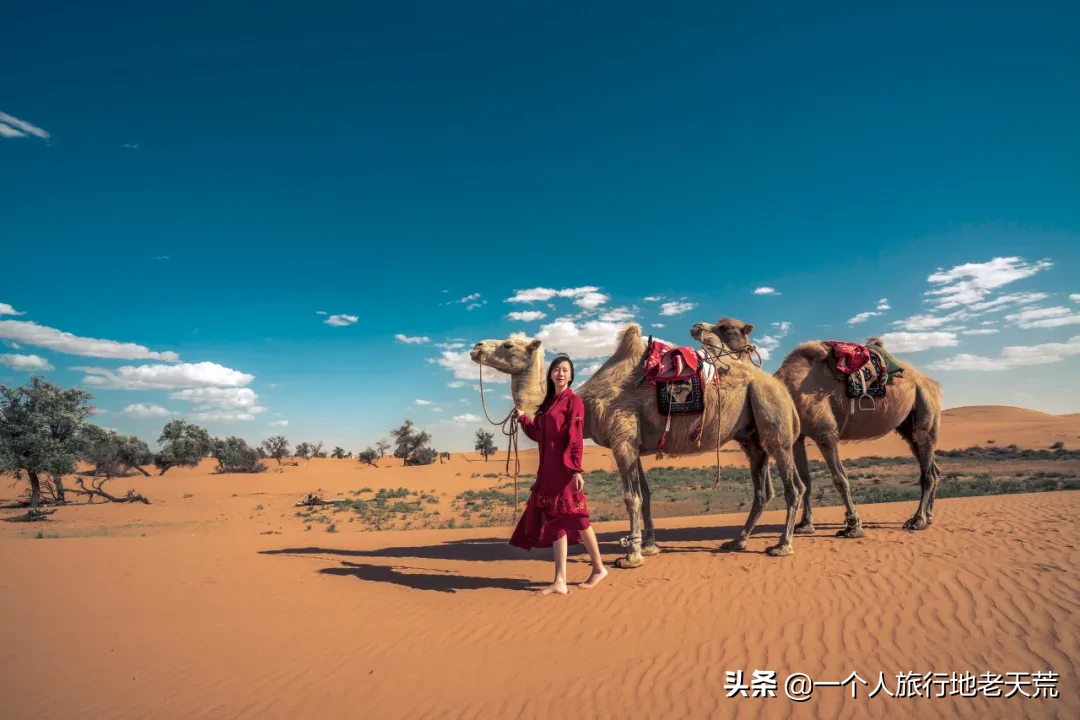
(369, 457)
(182, 445)
(485, 443)
(276, 447)
(412, 445)
(234, 455)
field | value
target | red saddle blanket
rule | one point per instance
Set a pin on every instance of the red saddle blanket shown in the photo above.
(850, 357)
(665, 363)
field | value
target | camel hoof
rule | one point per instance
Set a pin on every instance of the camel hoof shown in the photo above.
(916, 523)
(804, 529)
(734, 546)
(851, 532)
(650, 550)
(628, 563)
(780, 550)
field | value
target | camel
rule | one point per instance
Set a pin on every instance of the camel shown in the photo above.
(748, 406)
(911, 408)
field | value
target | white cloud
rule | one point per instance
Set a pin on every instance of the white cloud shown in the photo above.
(457, 384)
(25, 363)
(1074, 298)
(141, 410)
(414, 340)
(765, 345)
(436, 409)
(782, 328)
(466, 418)
(131, 146)
(1044, 317)
(464, 368)
(591, 339)
(450, 345)
(676, 308)
(475, 305)
(470, 298)
(320, 312)
(6, 309)
(1013, 356)
(862, 317)
(1001, 301)
(224, 416)
(13, 127)
(970, 283)
(341, 320)
(658, 325)
(917, 323)
(590, 369)
(587, 297)
(883, 304)
(31, 333)
(527, 315)
(207, 398)
(983, 331)
(619, 314)
(165, 377)
(901, 342)
(278, 423)
(765, 291)
(654, 298)
(423, 402)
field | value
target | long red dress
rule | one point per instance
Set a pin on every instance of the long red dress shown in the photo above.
(554, 509)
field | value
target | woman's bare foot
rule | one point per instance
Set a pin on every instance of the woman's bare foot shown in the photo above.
(595, 578)
(555, 588)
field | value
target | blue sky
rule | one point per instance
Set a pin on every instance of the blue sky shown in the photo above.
(201, 181)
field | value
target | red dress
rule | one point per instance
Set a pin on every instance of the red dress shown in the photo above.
(554, 509)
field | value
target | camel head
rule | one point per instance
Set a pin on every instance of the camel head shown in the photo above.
(735, 334)
(513, 357)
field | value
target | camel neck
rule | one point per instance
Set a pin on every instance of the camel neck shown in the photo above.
(529, 387)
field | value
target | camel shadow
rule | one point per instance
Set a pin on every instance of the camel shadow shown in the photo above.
(425, 578)
(495, 549)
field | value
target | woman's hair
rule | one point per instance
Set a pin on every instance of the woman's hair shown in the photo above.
(560, 358)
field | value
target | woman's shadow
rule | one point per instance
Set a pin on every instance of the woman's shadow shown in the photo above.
(492, 549)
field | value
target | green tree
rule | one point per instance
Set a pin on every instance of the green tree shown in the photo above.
(485, 443)
(182, 445)
(111, 453)
(339, 453)
(234, 455)
(40, 425)
(369, 457)
(276, 447)
(303, 450)
(382, 446)
(409, 442)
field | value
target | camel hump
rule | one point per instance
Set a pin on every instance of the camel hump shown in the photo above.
(629, 340)
(813, 351)
(876, 341)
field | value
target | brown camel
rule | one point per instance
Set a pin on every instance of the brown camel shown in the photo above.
(911, 408)
(748, 406)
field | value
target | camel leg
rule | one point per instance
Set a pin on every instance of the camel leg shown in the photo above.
(649, 546)
(793, 495)
(802, 465)
(831, 452)
(920, 431)
(933, 494)
(626, 457)
(759, 477)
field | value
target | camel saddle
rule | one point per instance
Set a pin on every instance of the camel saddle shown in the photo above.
(665, 363)
(862, 368)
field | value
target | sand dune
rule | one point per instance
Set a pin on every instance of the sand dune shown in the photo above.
(438, 624)
(215, 602)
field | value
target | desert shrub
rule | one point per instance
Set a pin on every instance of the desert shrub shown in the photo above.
(234, 455)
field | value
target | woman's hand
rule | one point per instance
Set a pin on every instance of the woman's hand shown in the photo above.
(579, 482)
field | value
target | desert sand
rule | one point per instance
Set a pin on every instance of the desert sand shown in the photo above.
(214, 601)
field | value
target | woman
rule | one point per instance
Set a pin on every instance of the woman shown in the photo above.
(556, 514)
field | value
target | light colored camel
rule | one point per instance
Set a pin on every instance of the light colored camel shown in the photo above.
(748, 406)
(911, 408)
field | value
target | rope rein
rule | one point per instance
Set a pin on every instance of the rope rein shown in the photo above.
(509, 426)
(714, 353)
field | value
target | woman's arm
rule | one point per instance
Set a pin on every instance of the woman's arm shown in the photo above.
(528, 426)
(575, 445)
